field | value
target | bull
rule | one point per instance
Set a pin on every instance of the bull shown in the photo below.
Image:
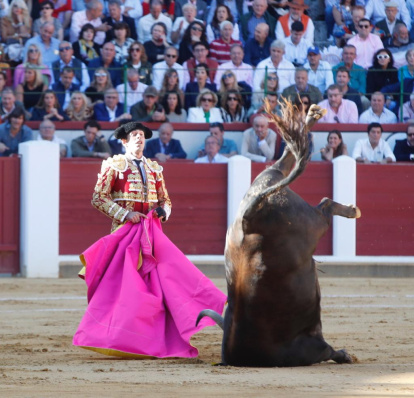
(273, 316)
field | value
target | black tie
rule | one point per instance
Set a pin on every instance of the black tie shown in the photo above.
(138, 163)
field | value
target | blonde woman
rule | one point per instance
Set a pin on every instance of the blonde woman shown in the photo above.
(30, 90)
(17, 24)
(101, 82)
(228, 81)
(32, 57)
(79, 108)
(205, 112)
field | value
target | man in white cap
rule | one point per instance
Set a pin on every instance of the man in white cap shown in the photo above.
(387, 24)
(375, 10)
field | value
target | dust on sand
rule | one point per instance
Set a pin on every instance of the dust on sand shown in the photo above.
(372, 318)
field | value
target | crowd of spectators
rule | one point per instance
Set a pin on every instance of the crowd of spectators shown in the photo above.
(206, 61)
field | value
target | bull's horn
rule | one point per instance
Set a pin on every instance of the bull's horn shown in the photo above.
(213, 315)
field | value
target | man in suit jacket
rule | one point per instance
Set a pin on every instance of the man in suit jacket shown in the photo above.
(64, 87)
(165, 147)
(404, 149)
(91, 144)
(115, 15)
(387, 24)
(107, 60)
(111, 110)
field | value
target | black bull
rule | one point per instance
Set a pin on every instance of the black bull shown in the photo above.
(273, 314)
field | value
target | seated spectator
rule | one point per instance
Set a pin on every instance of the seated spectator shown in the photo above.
(122, 41)
(303, 103)
(386, 25)
(232, 108)
(79, 108)
(200, 52)
(357, 13)
(404, 149)
(155, 48)
(48, 45)
(407, 71)
(275, 63)
(100, 83)
(212, 148)
(33, 57)
(272, 100)
(408, 110)
(243, 71)
(376, 10)
(91, 14)
(205, 112)
(134, 89)
(335, 146)
(399, 43)
(48, 108)
(373, 149)
(17, 24)
(14, 132)
(47, 8)
(228, 81)
(201, 9)
(115, 16)
(220, 48)
(138, 60)
(342, 14)
(269, 84)
(171, 101)
(296, 46)
(155, 16)
(171, 82)
(107, 60)
(228, 147)
(9, 104)
(168, 7)
(259, 142)
(149, 110)
(192, 90)
(165, 147)
(181, 23)
(221, 13)
(85, 49)
(195, 33)
(65, 86)
(90, 144)
(63, 12)
(66, 58)
(30, 91)
(160, 68)
(319, 72)
(47, 133)
(343, 79)
(366, 43)
(258, 47)
(258, 14)
(5, 66)
(238, 9)
(339, 110)
(378, 112)
(302, 86)
(111, 110)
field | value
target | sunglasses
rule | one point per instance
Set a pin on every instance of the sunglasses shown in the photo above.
(100, 74)
(207, 99)
(383, 56)
(364, 26)
(170, 55)
(232, 99)
(46, 8)
(196, 29)
(65, 49)
(137, 50)
(227, 76)
(272, 78)
(33, 50)
(410, 134)
(305, 102)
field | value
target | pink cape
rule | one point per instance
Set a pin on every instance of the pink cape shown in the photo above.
(151, 311)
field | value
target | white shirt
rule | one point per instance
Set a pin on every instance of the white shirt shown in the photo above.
(370, 117)
(145, 24)
(158, 72)
(217, 159)
(363, 149)
(112, 114)
(322, 77)
(78, 20)
(296, 53)
(133, 96)
(285, 71)
(243, 72)
(309, 32)
(375, 11)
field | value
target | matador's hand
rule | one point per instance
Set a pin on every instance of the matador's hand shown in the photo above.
(135, 216)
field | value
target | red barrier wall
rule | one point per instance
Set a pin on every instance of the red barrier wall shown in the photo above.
(313, 185)
(10, 215)
(385, 195)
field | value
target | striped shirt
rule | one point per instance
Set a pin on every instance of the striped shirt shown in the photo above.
(220, 51)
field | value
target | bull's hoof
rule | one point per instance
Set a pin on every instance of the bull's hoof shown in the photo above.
(341, 356)
(314, 114)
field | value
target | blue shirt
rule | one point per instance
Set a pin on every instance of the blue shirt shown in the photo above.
(25, 134)
(227, 147)
(253, 53)
(49, 54)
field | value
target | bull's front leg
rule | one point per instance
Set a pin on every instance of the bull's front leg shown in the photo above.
(331, 208)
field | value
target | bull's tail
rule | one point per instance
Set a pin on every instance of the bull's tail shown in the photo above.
(294, 128)
(213, 315)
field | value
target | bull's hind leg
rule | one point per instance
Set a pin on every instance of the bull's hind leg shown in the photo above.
(330, 208)
(341, 356)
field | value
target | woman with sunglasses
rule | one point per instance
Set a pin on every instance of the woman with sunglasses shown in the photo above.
(382, 72)
(101, 82)
(335, 146)
(303, 102)
(205, 112)
(232, 109)
(155, 47)
(228, 81)
(33, 57)
(174, 110)
(221, 13)
(48, 108)
(171, 82)
(137, 59)
(85, 49)
(194, 33)
(17, 24)
(46, 11)
(192, 89)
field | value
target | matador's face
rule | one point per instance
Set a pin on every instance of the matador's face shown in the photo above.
(135, 143)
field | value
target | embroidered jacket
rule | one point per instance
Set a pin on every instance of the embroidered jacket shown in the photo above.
(120, 189)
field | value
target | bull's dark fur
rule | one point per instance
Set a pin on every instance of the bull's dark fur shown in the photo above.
(273, 313)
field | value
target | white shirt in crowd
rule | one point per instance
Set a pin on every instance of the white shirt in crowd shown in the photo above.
(363, 149)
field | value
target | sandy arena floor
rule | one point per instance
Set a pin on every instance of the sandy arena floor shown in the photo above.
(372, 318)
